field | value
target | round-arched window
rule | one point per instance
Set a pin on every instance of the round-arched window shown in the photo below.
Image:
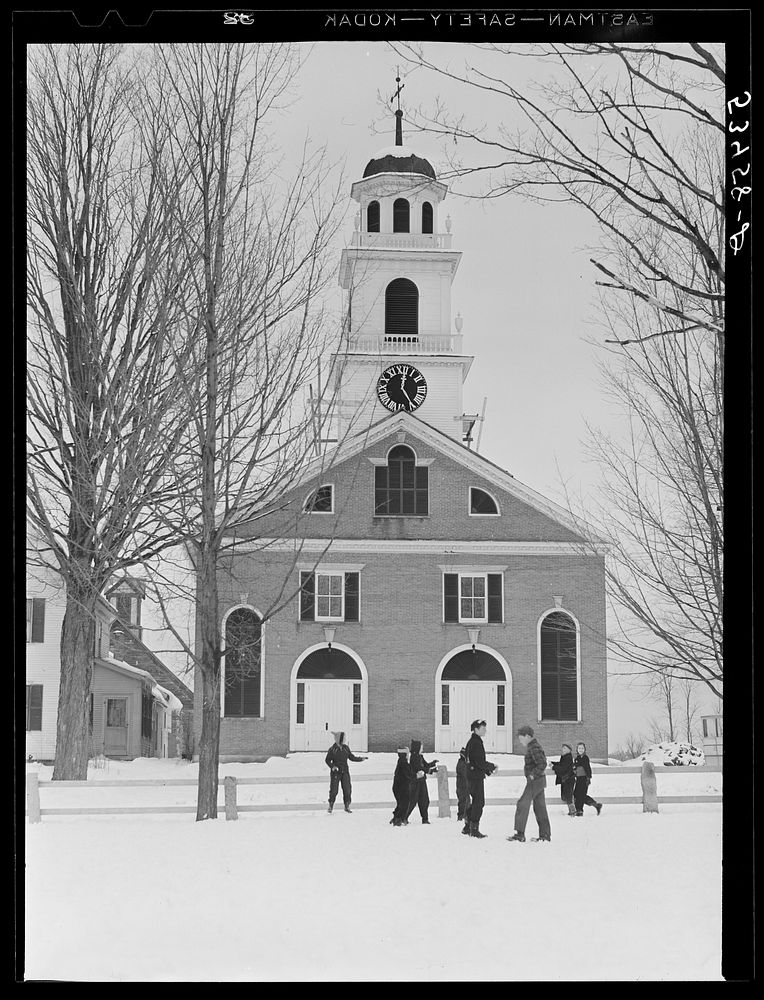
(473, 666)
(427, 217)
(326, 664)
(372, 217)
(242, 662)
(559, 667)
(401, 222)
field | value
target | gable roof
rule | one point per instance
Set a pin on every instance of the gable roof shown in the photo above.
(391, 423)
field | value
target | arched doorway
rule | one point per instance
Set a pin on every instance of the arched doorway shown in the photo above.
(328, 693)
(473, 684)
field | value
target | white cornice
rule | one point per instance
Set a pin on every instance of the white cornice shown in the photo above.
(422, 546)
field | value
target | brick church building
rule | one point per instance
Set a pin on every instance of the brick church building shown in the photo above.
(421, 585)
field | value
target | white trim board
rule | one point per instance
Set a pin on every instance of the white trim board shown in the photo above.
(434, 547)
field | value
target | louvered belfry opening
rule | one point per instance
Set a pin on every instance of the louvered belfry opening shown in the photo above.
(401, 223)
(559, 668)
(372, 217)
(402, 311)
(427, 217)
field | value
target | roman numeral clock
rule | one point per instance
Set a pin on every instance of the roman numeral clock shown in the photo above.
(401, 387)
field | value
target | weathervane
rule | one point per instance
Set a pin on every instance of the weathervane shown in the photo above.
(398, 113)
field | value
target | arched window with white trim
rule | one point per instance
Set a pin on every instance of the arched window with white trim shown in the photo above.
(558, 662)
(401, 487)
(372, 217)
(402, 311)
(401, 216)
(242, 665)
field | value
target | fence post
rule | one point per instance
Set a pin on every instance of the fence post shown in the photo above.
(33, 796)
(231, 812)
(649, 788)
(444, 799)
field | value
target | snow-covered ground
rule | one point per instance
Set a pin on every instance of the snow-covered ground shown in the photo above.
(307, 896)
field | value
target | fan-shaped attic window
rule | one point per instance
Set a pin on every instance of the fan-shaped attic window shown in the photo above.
(482, 502)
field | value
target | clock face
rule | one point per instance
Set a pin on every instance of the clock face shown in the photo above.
(401, 387)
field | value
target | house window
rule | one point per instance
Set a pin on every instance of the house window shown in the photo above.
(473, 597)
(243, 655)
(500, 705)
(372, 217)
(326, 596)
(356, 704)
(146, 713)
(427, 217)
(401, 487)
(401, 216)
(320, 501)
(445, 705)
(559, 667)
(482, 502)
(300, 719)
(402, 311)
(34, 707)
(35, 619)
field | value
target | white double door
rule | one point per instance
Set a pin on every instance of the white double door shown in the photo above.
(470, 700)
(329, 708)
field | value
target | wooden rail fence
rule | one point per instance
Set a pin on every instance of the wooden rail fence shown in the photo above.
(649, 797)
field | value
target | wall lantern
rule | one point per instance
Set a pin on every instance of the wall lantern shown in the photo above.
(473, 634)
(329, 631)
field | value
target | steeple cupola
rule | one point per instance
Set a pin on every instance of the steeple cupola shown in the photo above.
(397, 270)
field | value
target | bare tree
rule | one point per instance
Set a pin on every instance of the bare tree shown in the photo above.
(634, 135)
(661, 688)
(631, 748)
(254, 248)
(103, 293)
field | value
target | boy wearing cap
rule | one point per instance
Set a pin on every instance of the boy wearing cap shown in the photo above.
(535, 783)
(337, 758)
(478, 769)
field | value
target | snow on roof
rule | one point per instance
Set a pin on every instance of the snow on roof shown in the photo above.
(171, 701)
(403, 151)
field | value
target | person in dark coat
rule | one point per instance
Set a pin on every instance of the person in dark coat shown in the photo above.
(420, 768)
(478, 769)
(566, 777)
(403, 782)
(337, 758)
(583, 774)
(535, 783)
(462, 791)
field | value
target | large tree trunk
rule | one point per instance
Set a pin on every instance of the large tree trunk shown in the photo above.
(74, 692)
(207, 797)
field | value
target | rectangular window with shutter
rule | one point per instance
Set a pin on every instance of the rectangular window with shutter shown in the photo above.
(326, 596)
(473, 597)
(34, 707)
(35, 619)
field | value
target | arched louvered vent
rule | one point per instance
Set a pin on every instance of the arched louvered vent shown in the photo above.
(401, 310)
(427, 217)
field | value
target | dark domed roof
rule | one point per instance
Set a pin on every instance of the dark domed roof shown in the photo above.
(400, 160)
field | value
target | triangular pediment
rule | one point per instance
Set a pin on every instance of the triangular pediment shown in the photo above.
(373, 443)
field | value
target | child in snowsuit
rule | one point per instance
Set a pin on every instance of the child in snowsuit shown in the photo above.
(583, 772)
(337, 758)
(421, 768)
(462, 790)
(403, 782)
(566, 777)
